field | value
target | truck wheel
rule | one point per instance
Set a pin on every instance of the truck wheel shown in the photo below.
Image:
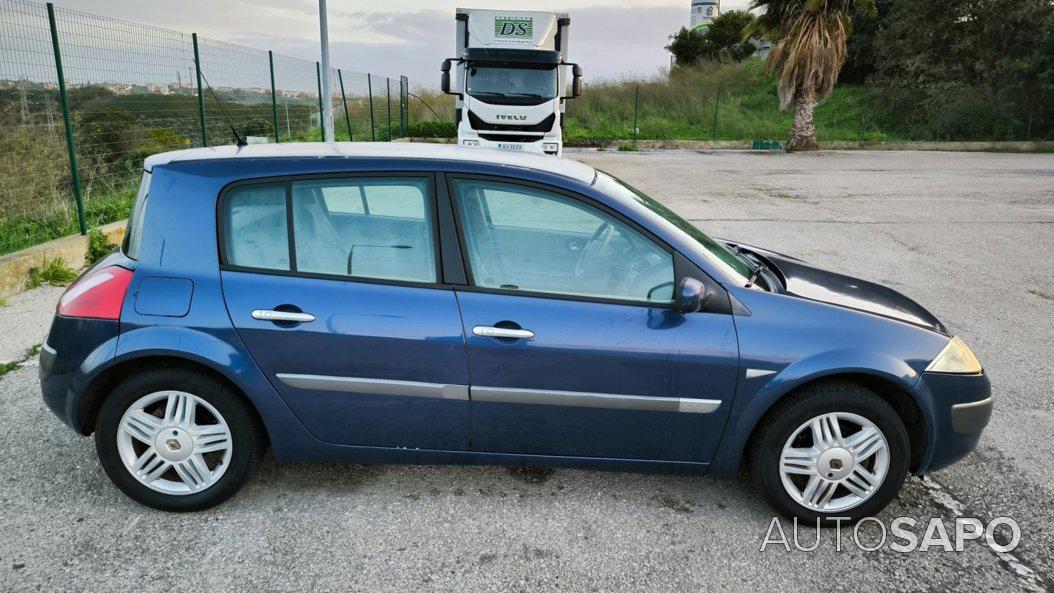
(831, 450)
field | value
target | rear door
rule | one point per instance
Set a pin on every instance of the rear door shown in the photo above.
(333, 285)
(574, 347)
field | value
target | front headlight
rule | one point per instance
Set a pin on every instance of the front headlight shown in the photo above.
(955, 358)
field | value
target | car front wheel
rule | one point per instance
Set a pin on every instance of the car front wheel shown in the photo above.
(834, 450)
(177, 440)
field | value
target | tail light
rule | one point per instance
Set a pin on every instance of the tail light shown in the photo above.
(98, 295)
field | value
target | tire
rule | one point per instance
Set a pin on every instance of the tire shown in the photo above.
(216, 474)
(836, 469)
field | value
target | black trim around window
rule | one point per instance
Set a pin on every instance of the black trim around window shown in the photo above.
(287, 182)
(681, 265)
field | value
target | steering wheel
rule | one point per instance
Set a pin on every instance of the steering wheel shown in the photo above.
(597, 245)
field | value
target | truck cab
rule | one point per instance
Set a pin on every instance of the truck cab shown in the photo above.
(511, 77)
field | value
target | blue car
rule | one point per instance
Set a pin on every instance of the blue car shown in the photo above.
(426, 304)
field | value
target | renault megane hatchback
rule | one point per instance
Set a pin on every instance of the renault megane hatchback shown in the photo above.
(427, 304)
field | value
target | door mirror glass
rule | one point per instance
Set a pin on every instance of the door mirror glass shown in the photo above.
(692, 296)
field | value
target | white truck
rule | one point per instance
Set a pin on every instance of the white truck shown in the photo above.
(512, 78)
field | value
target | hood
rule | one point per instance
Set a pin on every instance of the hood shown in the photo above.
(811, 283)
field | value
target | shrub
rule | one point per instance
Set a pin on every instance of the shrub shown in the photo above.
(54, 272)
(99, 246)
(431, 129)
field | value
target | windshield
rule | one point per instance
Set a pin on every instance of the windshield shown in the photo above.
(520, 84)
(724, 256)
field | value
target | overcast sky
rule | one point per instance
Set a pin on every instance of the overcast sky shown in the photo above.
(610, 38)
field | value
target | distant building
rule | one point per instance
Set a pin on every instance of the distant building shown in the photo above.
(703, 13)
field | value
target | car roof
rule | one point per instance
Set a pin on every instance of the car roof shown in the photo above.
(385, 150)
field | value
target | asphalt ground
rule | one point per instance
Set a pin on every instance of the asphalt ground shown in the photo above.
(970, 236)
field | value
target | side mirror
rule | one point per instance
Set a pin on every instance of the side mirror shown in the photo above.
(691, 296)
(444, 81)
(576, 80)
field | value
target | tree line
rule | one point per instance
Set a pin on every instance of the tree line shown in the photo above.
(954, 70)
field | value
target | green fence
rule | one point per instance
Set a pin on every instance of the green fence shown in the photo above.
(83, 99)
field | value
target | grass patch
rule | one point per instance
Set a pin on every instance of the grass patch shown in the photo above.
(33, 350)
(627, 147)
(7, 367)
(19, 233)
(52, 271)
(3, 303)
(99, 246)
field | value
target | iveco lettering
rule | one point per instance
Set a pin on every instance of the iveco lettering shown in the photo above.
(435, 304)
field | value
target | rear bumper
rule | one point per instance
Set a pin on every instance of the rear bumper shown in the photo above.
(74, 349)
(961, 408)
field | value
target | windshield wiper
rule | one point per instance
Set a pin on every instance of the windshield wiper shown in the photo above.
(534, 95)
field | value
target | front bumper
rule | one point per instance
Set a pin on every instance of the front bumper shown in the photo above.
(537, 147)
(961, 408)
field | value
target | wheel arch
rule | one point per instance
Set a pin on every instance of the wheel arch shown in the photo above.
(890, 387)
(87, 409)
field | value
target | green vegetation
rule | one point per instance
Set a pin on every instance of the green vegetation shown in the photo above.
(628, 147)
(681, 107)
(99, 246)
(33, 350)
(723, 41)
(7, 367)
(51, 271)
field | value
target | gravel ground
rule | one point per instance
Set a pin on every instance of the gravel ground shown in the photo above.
(25, 320)
(968, 235)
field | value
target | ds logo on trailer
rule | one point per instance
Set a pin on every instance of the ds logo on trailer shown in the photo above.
(513, 27)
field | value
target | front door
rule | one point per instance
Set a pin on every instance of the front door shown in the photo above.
(332, 286)
(574, 348)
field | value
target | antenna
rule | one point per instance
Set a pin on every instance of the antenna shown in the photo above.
(239, 141)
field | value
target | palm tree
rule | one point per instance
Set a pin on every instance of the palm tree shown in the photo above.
(807, 54)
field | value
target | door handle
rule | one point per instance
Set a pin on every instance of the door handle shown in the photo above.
(272, 315)
(487, 331)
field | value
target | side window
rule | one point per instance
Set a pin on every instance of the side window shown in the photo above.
(521, 238)
(255, 227)
(369, 227)
(133, 234)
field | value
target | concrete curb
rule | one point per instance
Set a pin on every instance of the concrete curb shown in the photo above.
(1032, 146)
(14, 267)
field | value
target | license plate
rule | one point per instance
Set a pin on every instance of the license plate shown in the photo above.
(504, 146)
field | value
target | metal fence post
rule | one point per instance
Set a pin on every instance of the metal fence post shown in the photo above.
(388, 81)
(404, 105)
(717, 107)
(636, 111)
(369, 89)
(74, 172)
(321, 117)
(274, 96)
(201, 92)
(344, 100)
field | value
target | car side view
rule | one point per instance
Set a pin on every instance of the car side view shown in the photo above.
(428, 304)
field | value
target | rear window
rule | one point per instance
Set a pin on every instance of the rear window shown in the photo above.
(133, 233)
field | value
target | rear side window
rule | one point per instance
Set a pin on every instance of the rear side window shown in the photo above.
(369, 227)
(362, 227)
(133, 233)
(255, 227)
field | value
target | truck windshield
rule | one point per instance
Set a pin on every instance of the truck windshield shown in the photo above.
(512, 84)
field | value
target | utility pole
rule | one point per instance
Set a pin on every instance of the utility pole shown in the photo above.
(327, 98)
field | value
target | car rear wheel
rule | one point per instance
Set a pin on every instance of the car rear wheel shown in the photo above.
(177, 440)
(831, 450)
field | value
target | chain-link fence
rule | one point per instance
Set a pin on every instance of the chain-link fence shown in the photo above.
(83, 99)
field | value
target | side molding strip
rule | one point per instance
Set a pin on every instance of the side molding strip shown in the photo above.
(581, 399)
(375, 386)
